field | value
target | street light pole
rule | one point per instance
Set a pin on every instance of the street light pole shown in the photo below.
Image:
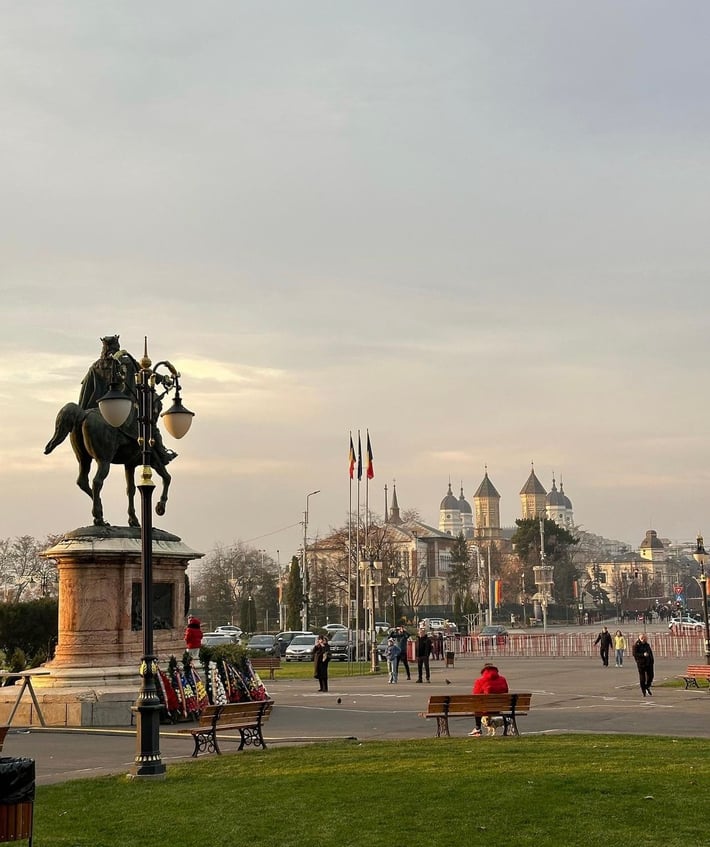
(306, 585)
(700, 557)
(372, 575)
(178, 419)
(393, 579)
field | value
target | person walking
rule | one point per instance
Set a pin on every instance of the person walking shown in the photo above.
(604, 641)
(321, 657)
(193, 636)
(392, 652)
(619, 648)
(401, 636)
(489, 682)
(643, 655)
(423, 650)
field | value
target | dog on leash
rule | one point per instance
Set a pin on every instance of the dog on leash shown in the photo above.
(492, 723)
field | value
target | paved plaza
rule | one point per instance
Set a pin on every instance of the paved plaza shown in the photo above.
(569, 695)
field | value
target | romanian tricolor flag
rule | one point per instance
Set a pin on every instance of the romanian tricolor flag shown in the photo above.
(351, 458)
(370, 466)
(359, 458)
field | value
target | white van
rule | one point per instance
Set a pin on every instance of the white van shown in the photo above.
(439, 625)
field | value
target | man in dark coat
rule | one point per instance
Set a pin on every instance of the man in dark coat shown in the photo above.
(321, 657)
(423, 652)
(643, 654)
(604, 640)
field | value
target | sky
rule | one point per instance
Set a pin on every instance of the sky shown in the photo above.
(477, 229)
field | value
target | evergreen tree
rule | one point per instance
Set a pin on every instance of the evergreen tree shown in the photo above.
(459, 577)
(558, 544)
(294, 595)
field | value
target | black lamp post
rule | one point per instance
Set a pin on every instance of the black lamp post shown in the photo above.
(393, 579)
(178, 419)
(371, 571)
(701, 557)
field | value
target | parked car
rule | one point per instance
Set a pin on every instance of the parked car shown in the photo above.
(335, 627)
(216, 639)
(283, 639)
(495, 635)
(263, 645)
(382, 626)
(440, 625)
(342, 645)
(229, 629)
(301, 648)
(685, 622)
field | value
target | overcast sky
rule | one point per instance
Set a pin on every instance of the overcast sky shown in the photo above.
(478, 228)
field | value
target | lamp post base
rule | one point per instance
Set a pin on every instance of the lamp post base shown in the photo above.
(147, 708)
(148, 762)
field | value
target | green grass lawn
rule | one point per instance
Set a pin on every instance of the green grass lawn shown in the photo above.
(542, 791)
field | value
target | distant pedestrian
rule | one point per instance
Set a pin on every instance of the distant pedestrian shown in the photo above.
(193, 636)
(321, 657)
(439, 645)
(643, 654)
(604, 641)
(619, 647)
(401, 636)
(423, 650)
(392, 652)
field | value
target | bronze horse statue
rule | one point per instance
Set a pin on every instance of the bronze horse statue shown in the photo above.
(93, 438)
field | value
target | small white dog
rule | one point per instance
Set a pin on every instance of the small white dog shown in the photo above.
(492, 723)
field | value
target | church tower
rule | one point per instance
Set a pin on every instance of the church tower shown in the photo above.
(394, 516)
(532, 497)
(466, 516)
(486, 503)
(449, 514)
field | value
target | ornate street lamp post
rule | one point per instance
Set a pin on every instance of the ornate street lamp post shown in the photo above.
(115, 408)
(305, 575)
(393, 579)
(371, 574)
(701, 557)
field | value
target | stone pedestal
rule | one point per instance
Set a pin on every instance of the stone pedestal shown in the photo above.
(100, 575)
(94, 673)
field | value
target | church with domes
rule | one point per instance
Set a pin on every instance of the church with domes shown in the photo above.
(456, 515)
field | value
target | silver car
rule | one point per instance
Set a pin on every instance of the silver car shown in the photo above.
(301, 649)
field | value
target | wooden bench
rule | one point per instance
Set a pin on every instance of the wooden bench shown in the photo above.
(266, 663)
(506, 706)
(695, 672)
(247, 717)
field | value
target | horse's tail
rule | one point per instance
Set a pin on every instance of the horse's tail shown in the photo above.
(67, 418)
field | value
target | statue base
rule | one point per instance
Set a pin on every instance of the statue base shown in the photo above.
(100, 577)
(93, 678)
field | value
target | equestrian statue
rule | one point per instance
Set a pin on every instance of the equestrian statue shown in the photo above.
(93, 438)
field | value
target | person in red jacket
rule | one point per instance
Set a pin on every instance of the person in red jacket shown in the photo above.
(193, 635)
(489, 682)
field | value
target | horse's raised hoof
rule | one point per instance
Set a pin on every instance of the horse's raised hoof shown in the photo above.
(160, 508)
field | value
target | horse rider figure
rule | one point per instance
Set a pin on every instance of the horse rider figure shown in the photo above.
(108, 370)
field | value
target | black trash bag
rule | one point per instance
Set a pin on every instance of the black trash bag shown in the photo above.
(17, 780)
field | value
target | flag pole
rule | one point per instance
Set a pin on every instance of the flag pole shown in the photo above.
(350, 524)
(357, 530)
